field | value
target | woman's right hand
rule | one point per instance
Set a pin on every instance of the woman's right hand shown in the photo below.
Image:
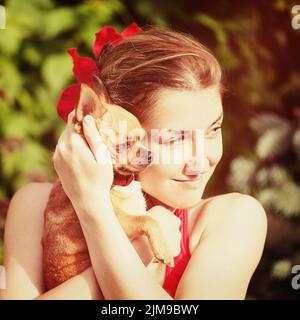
(169, 225)
(83, 165)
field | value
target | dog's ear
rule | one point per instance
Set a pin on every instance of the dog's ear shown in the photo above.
(100, 90)
(89, 103)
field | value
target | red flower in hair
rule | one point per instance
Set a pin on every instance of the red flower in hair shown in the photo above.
(85, 67)
(110, 35)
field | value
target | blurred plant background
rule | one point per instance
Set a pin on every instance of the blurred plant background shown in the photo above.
(259, 51)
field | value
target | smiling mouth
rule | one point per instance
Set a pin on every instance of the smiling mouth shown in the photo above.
(189, 180)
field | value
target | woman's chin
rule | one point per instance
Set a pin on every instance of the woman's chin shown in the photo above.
(187, 200)
(175, 195)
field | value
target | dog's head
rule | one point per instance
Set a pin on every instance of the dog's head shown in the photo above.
(119, 129)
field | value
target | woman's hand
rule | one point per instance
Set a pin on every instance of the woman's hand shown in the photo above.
(84, 167)
(169, 226)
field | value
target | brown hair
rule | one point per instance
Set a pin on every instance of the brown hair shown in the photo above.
(156, 58)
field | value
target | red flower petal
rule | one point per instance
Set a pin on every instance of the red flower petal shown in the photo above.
(130, 30)
(106, 35)
(83, 67)
(68, 101)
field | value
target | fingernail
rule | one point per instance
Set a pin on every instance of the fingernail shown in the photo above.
(98, 138)
(88, 120)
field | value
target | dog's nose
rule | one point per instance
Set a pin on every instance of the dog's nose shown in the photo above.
(150, 157)
(147, 156)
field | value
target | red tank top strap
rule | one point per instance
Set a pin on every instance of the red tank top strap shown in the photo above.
(173, 274)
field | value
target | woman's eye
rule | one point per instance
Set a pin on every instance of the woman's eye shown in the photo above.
(174, 140)
(214, 132)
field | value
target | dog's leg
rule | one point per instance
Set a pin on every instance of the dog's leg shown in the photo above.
(139, 225)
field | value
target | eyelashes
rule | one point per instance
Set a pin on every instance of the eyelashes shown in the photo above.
(214, 133)
(180, 138)
(183, 136)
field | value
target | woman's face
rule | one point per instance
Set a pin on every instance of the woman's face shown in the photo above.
(185, 137)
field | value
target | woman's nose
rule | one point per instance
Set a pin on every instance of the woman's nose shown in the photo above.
(196, 165)
(198, 162)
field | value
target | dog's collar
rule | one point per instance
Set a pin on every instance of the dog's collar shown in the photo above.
(122, 180)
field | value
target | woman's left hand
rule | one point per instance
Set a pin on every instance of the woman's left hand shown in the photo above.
(84, 167)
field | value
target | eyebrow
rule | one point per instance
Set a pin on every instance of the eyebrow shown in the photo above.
(162, 131)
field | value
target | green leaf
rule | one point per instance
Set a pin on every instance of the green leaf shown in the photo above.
(10, 39)
(21, 125)
(296, 142)
(264, 121)
(241, 173)
(281, 269)
(18, 164)
(10, 78)
(32, 55)
(212, 24)
(274, 142)
(45, 103)
(58, 21)
(276, 199)
(57, 71)
(17, 126)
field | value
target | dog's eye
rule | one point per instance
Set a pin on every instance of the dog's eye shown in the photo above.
(122, 146)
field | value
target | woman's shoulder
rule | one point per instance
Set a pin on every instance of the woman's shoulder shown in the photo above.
(231, 208)
(234, 202)
(30, 199)
(23, 240)
(38, 190)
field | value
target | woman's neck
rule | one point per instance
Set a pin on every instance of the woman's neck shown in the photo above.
(151, 202)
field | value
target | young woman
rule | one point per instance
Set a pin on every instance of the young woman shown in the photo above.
(173, 83)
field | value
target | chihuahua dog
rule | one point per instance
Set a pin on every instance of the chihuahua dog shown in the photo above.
(65, 252)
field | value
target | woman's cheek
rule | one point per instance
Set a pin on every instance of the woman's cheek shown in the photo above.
(156, 176)
(215, 150)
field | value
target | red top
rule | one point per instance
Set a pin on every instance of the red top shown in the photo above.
(174, 274)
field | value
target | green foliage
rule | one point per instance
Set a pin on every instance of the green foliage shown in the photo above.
(267, 175)
(273, 178)
(34, 68)
(281, 269)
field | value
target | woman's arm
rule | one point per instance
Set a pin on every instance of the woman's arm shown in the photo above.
(84, 286)
(225, 259)
(118, 268)
(23, 252)
(85, 170)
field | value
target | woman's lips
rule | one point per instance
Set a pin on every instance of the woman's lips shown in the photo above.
(191, 183)
(191, 179)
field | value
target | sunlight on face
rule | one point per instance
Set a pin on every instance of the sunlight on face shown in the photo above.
(195, 111)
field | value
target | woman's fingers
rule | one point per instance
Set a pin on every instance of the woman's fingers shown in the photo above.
(95, 141)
